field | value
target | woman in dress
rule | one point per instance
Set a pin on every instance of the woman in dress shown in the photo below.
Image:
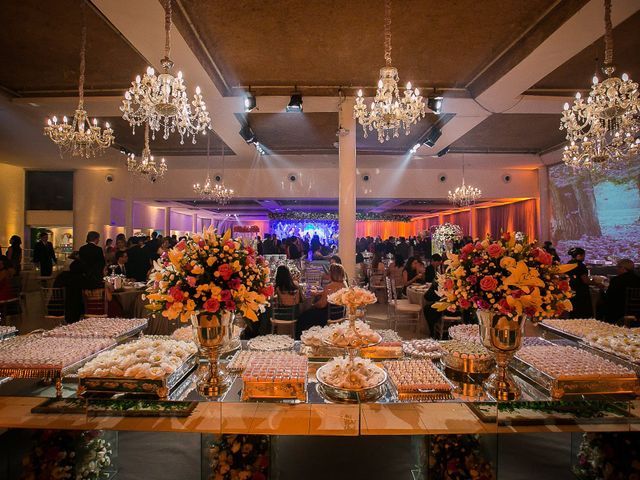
(14, 253)
(319, 312)
(394, 272)
(411, 273)
(287, 291)
(579, 282)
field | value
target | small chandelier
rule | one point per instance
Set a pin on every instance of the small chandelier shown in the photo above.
(464, 195)
(389, 112)
(603, 130)
(217, 192)
(161, 100)
(146, 167)
(80, 137)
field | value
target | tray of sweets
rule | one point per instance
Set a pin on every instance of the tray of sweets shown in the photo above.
(320, 352)
(341, 381)
(119, 329)
(162, 387)
(563, 370)
(276, 376)
(383, 351)
(467, 357)
(417, 380)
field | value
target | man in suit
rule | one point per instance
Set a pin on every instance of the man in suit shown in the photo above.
(616, 295)
(44, 254)
(92, 257)
(137, 260)
(434, 268)
(121, 263)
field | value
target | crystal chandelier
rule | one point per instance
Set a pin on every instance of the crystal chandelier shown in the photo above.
(603, 130)
(389, 112)
(80, 137)
(464, 195)
(161, 100)
(217, 192)
(146, 167)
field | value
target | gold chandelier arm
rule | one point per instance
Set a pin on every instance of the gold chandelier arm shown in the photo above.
(608, 35)
(83, 47)
(167, 29)
(146, 136)
(387, 32)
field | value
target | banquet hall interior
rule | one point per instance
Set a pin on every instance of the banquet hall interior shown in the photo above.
(263, 240)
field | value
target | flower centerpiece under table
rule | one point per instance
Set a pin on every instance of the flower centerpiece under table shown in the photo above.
(504, 281)
(208, 279)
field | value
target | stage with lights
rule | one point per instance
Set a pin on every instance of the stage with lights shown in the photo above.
(326, 230)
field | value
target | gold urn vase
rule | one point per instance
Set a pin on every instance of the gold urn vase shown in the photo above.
(212, 332)
(502, 336)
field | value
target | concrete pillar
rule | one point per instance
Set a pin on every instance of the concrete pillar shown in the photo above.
(167, 221)
(12, 201)
(194, 223)
(544, 208)
(347, 189)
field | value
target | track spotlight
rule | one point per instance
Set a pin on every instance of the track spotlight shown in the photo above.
(434, 103)
(414, 149)
(248, 134)
(443, 152)
(259, 148)
(295, 104)
(249, 102)
(434, 134)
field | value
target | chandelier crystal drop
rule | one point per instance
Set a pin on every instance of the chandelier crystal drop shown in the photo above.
(80, 137)
(389, 112)
(146, 167)
(217, 192)
(161, 100)
(603, 129)
(464, 195)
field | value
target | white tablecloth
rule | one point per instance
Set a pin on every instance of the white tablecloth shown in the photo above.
(415, 294)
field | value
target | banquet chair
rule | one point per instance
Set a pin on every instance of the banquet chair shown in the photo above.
(401, 309)
(284, 317)
(336, 314)
(95, 303)
(446, 321)
(53, 305)
(313, 276)
(632, 303)
(377, 283)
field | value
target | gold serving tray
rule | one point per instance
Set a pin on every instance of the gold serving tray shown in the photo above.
(583, 385)
(383, 351)
(160, 387)
(370, 394)
(270, 390)
(466, 365)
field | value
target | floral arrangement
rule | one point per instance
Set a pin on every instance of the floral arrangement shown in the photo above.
(610, 456)
(67, 454)
(444, 235)
(458, 457)
(504, 276)
(212, 274)
(353, 298)
(239, 457)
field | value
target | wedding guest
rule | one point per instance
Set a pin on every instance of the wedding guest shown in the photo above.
(267, 246)
(318, 314)
(259, 247)
(7, 273)
(376, 263)
(92, 257)
(14, 253)
(109, 252)
(434, 267)
(402, 247)
(616, 295)
(287, 291)
(579, 282)
(138, 262)
(44, 255)
(411, 274)
(121, 263)
(164, 247)
(73, 281)
(395, 271)
(550, 249)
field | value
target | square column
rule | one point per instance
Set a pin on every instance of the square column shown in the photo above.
(347, 188)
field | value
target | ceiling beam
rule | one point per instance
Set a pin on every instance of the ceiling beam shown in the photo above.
(142, 24)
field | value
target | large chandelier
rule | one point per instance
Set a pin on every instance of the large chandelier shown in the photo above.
(80, 137)
(146, 167)
(161, 100)
(217, 192)
(389, 112)
(603, 130)
(464, 195)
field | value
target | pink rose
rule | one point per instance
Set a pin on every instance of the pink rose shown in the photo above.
(181, 245)
(478, 261)
(230, 305)
(201, 244)
(176, 293)
(225, 271)
(495, 250)
(225, 295)
(483, 304)
(472, 279)
(467, 249)
(267, 291)
(464, 303)
(234, 283)
(488, 283)
(212, 305)
(230, 244)
(479, 247)
(191, 281)
(250, 250)
(504, 306)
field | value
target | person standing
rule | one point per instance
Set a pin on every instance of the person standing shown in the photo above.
(579, 281)
(138, 262)
(92, 257)
(44, 255)
(616, 295)
(14, 253)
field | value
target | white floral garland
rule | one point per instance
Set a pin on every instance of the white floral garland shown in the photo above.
(445, 234)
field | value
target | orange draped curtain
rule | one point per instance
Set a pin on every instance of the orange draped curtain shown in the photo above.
(383, 229)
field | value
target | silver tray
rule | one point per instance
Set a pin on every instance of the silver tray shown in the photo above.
(361, 395)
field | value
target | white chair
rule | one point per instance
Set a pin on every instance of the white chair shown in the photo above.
(284, 317)
(313, 277)
(53, 305)
(397, 309)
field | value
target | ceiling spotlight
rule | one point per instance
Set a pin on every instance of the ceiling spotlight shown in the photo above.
(249, 102)
(434, 103)
(434, 134)
(259, 148)
(443, 152)
(414, 149)
(295, 104)
(248, 134)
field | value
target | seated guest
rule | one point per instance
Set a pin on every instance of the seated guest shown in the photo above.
(395, 272)
(318, 314)
(287, 291)
(411, 273)
(73, 281)
(434, 268)
(616, 295)
(121, 263)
